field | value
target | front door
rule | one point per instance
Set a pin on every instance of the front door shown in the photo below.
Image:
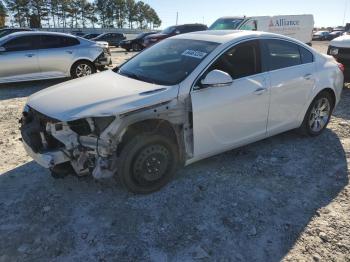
(19, 61)
(228, 116)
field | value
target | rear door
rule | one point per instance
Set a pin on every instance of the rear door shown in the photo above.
(292, 70)
(56, 54)
(20, 59)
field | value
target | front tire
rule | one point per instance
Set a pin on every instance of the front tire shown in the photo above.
(135, 47)
(318, 115)
(147, 163)
(82, 68)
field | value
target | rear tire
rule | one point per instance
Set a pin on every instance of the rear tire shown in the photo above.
(318, 115)
(82, 68)
(147, 163)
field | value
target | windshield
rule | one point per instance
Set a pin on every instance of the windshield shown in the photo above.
(168, 30)
(168, 62)
(4, 33)
(226, 24)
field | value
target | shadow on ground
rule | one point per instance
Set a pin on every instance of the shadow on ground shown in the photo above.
(249, 204)
(24, 89)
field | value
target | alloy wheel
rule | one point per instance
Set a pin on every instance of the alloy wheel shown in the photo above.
(320, 114)
(83, 70)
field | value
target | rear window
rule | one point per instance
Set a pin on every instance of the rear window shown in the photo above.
(281, 54)
(53, 41)
(306, 55)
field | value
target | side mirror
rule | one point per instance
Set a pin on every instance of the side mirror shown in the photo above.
(2, 49)
(217, 78)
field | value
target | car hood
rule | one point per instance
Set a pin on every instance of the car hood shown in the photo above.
(102, 94)
(341, 41)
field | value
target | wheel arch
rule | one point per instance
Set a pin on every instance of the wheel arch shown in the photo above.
(80, 60)
(154, 126)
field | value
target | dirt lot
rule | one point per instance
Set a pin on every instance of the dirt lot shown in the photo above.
(284, 198)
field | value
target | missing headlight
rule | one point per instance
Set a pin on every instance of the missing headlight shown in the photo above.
(101, 123)
(80, 126)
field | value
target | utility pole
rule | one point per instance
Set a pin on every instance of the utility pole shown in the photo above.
(345, 9)
(177, 17)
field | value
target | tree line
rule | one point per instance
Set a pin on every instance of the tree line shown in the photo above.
(80, 13)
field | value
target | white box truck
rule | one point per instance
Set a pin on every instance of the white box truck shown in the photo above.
(299, 27)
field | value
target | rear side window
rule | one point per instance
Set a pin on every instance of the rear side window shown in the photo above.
(306, 55)
(53, 41)
(22, 43)
(241, 61)
(281, 54)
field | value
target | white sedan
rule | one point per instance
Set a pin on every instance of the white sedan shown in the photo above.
(185, 99)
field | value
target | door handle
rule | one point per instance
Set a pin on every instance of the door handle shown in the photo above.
(260, 91)
(30, 55)
(307, 76)
(69, 52)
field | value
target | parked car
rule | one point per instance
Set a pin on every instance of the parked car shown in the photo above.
(339, 48)
(172, 31)
(296, 26)
(335, 34)
(78, 33)
(90, 36)
(113, 39)
(136, 43)
(42, 55)
(185, 99)
(7, 31)
(321, 36)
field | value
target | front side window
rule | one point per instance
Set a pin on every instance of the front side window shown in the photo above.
(240, 61)
(169, 62)
(226, 24)
(22, 43)
(281, 54)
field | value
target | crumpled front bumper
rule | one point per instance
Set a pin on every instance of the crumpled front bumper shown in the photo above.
(105, 59)
(47, 159)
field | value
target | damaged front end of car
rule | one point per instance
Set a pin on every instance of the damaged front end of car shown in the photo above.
(89, 146)
(85, 144)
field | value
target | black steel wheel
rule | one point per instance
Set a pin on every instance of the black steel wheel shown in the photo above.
(147, 163)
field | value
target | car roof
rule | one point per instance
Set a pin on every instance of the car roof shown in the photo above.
(25, 33)
(225, 36)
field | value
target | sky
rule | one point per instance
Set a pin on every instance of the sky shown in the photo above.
(326, 13)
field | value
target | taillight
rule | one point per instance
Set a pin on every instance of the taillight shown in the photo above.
(341, 67)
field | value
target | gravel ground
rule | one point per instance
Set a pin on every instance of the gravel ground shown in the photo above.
(284, 198)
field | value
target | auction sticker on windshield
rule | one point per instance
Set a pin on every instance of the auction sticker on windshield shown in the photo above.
(195, 54)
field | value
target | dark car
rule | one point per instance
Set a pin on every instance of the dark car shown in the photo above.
(90, 36)
(7, 31)
(321, 35)
(335, 34)
(171, 31)
(113, 39)
(136, 43)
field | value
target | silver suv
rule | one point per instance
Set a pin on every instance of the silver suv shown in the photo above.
(26, 56)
